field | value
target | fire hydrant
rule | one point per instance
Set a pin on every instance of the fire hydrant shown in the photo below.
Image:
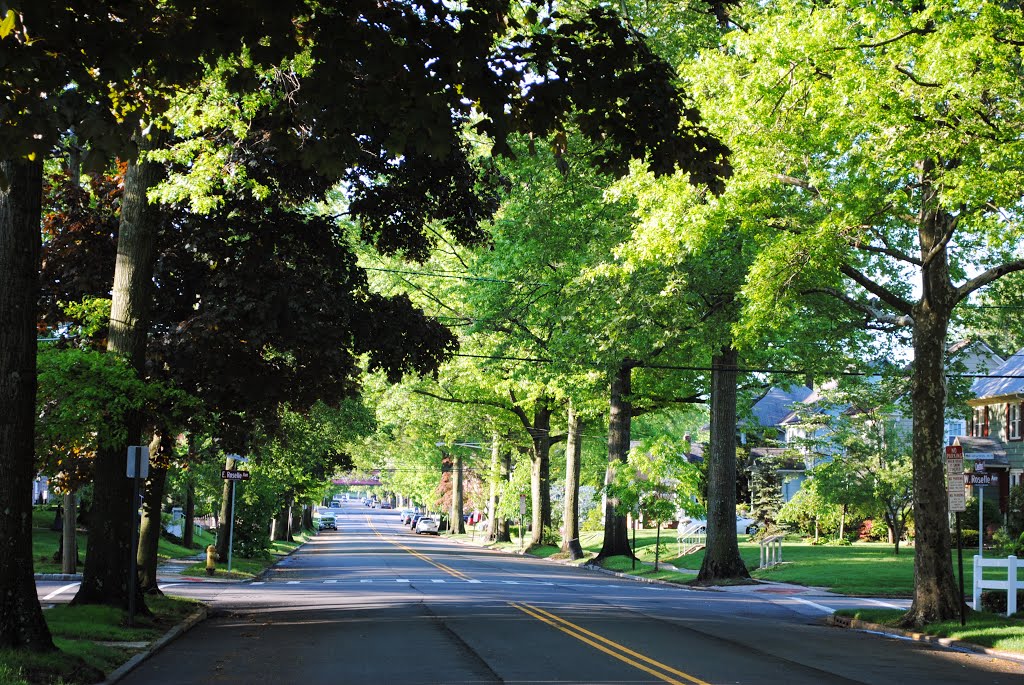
(211, 559)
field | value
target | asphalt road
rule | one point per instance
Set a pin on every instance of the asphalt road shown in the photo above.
(374, 603)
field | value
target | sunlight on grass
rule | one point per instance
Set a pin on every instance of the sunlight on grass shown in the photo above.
(985, 629)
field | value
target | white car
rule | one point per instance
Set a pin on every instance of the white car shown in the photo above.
(426, 525)
(744, 524)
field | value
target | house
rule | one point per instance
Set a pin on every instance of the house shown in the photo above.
(806, 417)
(994, 432)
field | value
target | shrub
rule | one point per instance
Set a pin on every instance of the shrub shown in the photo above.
(995, 601)
(968, 537)
(592, 521)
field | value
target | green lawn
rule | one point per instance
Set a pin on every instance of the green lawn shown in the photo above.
(987, 630)
(78, 632)
(46, 541)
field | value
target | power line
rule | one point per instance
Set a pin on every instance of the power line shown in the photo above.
(739, 369)
(453, 275)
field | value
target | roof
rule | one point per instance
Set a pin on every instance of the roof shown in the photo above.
(973, 445)
(1006, 379)
(771, 409)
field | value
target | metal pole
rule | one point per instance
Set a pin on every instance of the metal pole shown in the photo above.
(520, 532)
(960, 561)
(231, 526)
(133, 551)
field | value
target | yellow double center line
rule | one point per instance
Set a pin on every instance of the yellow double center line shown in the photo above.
(609, 647)
(447, 569)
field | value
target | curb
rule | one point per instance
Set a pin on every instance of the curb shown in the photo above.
(58, 576)
(946, 642)
(154, 647)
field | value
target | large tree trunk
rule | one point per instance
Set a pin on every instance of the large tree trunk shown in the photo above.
(571, 513)
(105, 580)
(226, 514)
(21, 618)
(503, 533)
(722, 557)
(936, 597)
(616, 535)
(456, 512)
(307, 517)
(540, 469)
(188, 532)
(280, 532)
(492, 495)
(69, 537)
(151, 525)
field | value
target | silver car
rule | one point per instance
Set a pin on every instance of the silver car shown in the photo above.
(426, 525)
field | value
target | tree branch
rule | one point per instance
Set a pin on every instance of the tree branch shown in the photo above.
(865, 308)
(910, 75)
(987, 277)
(885, 295)
(868, 46)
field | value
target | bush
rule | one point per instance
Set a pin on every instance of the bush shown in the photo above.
(995, 601)
(968, 537)
(592, 521)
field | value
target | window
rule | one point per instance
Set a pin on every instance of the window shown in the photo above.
(979, 423)
(1013, 421)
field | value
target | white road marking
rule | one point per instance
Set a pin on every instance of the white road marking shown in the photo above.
(822, 607)
(880, 603)
(60, 590)
(472, 581)
(292, 582)
(330, 581)
(258, 582)
(436, 580)
(401, 580)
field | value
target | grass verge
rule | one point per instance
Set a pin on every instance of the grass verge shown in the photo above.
(79, 633)
(984, 629)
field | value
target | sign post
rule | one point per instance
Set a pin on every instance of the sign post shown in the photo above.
(230, 474)
(957, 504)
(138, 467)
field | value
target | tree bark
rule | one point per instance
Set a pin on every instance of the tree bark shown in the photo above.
(936, 596)
(540, 469)
(226, 515)
(21, 618)
(151, 525)
(722, 556)
(69, 537)
(492, 496)
(456, 525)
(105, 580)
(307, 517)
(616, 535)
(571, 513)
(188, 532)
(503, 533)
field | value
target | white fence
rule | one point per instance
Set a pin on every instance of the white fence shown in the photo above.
(771, 551)
(691, 537)
(1011, 584)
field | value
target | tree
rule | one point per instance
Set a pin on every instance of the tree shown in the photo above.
(21, 618)
(874, 190)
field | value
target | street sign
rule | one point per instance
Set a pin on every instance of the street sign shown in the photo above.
(981, 456)
(981, 480)
(234, 475)
(954, 481)
(522, 505)
(138, 455)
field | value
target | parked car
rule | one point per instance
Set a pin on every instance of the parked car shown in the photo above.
(385, 505)
(327, 522)
(415, 518)
(744, 524)
(426, 525)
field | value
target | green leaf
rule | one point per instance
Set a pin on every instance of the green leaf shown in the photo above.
(7, 25)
